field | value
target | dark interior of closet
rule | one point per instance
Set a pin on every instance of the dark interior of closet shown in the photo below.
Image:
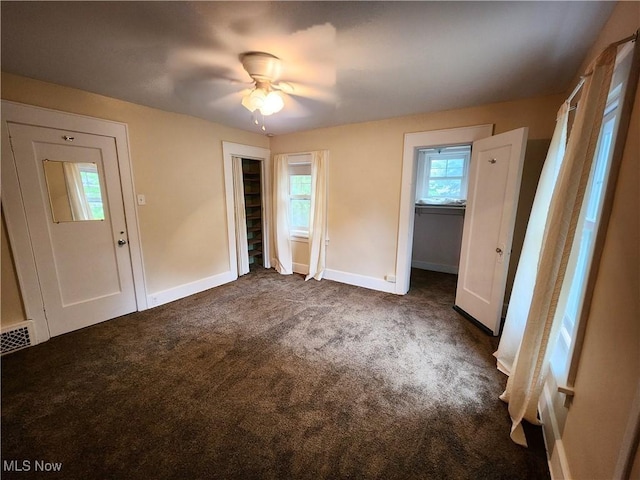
(251, 176)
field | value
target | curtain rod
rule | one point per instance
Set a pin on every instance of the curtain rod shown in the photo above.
(630, 38)
(295, 154)
(577, 89)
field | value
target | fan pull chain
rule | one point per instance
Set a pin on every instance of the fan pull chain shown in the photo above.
(257, 118)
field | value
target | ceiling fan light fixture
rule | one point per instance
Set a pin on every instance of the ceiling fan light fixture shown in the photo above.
(254, 100)
(273, 103)
(264, 69)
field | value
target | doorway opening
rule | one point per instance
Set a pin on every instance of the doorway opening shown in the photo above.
(247, 169)
(494, 183)
(440, 200)
(252, 183)
(413, 143)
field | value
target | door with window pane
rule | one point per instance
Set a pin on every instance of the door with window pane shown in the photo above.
(70, 185)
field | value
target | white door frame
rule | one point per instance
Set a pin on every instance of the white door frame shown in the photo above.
(12, 204)
(263, 155)
(412, 143)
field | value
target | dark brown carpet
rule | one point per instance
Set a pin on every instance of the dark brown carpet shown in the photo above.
(269, 377)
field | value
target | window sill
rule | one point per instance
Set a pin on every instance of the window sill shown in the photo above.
(422, 209)
(300, 237)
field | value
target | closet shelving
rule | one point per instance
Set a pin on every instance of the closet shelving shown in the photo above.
(253, 209)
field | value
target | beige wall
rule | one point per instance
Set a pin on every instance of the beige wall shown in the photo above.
(177, 163)
(609, 369)
(366, 165)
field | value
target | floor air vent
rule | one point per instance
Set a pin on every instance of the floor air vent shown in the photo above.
(16, 337)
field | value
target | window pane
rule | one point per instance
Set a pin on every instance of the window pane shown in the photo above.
(300, 209)
(300, 184)
(445, 188)
(442, 174)
(438, 164)
(455, 163)
(601, 169)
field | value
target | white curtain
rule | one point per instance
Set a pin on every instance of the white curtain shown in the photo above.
(318, 215)
(242, 249)
(525, 278)
(282, 257)
(80, 209)
(531, 364)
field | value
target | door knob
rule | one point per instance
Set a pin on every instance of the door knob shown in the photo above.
(122, 242)
(499, 251)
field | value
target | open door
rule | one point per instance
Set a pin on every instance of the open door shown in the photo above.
(492, 201)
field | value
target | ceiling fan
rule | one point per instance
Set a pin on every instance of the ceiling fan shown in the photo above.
(264, 69)
(218, 78)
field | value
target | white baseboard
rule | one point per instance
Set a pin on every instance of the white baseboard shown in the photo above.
(435, 267)
(557, 458)
(371, 283)
(181, 291)
(300, 268)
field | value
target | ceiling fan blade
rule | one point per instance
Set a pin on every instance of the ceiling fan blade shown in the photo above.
(195, 91)
(202, 63)
(302, 107)
(228, 102)
(293, 108)
(325, 95)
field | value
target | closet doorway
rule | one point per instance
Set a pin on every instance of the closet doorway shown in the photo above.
(492, 197)
(247, 172)
(254, 228)
(441, 193)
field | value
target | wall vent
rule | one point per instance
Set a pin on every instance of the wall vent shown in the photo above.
(16, 337)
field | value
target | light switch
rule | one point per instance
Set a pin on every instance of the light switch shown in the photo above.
(142, 200)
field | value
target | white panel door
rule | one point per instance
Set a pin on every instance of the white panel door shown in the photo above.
(492, 201)
(72, 196)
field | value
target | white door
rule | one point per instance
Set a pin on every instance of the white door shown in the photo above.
(492, 201)
(70, 186)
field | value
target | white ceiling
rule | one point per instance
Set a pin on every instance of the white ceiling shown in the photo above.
(348, 61)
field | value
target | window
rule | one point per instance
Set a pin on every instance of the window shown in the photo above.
(91, 186)
(299, 198)
(573, 292)
(442, 175)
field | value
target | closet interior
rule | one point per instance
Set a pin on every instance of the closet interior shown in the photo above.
(252, 182)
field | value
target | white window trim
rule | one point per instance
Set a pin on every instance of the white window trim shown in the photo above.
(426, 156)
